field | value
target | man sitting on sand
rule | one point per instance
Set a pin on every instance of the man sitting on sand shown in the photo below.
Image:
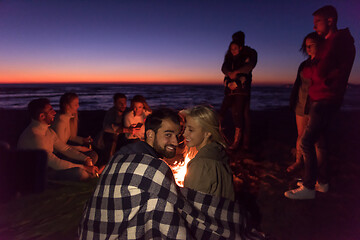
(113, 133)
(137, 197)
(38, 136)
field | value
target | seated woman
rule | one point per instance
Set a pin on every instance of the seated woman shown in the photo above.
(209, 171)
(135, 119)
(66, 125)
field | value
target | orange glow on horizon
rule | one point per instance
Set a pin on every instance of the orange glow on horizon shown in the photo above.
(28, 78)
(93, 76)
(124, 80)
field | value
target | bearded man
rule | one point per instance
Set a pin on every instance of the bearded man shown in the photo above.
(137, 197)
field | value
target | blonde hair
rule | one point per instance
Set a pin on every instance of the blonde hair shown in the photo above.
(208, 120)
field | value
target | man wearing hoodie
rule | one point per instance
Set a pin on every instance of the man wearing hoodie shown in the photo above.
(329, 78)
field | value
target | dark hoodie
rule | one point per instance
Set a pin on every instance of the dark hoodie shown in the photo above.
(245, 62)
(331, 73)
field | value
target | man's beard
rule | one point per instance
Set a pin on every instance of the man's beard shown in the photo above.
(163, 152)
(49, 121)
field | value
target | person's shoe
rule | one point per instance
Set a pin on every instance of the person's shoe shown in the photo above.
(300, 193)
(318, 186)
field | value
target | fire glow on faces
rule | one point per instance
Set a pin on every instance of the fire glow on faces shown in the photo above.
(194, 134)
(138, 108)
(49, 114)
(73, 106)
(166, 139)
(120, 104)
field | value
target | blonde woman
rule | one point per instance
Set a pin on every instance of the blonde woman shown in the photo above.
(209, 171)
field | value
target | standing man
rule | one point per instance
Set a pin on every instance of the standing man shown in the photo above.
(38, 136)
(238, 64)
(329, 78)
(137, 197)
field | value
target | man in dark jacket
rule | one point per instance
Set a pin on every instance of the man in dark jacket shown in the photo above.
(137, 197)
(329, 78)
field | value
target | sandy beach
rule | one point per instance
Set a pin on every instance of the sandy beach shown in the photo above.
(55, 213)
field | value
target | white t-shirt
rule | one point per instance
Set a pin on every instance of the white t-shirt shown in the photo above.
(131, 121)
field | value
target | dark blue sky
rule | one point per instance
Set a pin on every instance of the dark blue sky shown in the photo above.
(151, 41)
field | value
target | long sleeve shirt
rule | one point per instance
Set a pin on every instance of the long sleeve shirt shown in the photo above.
(130, 120)
(331, 73)
(39, 136)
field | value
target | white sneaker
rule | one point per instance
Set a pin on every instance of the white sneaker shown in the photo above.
(300, 193)
(318, 186)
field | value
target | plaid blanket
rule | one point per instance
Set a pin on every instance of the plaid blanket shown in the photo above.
(137, 198)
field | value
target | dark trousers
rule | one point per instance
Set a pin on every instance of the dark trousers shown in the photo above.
(240, 111)
(316, 133)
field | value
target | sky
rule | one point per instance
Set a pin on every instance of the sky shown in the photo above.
(156, 41)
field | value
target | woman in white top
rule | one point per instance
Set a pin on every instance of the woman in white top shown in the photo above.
(66, 125)
(135, 119)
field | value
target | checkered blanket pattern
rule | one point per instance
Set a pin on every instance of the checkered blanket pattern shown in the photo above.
(137, 198)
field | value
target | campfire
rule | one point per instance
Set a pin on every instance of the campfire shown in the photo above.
(179, 167)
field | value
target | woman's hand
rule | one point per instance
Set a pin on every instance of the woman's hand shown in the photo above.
(232, 85)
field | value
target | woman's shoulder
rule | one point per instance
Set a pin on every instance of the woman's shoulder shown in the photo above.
(304, 63)
(211, 149)
(147, 113)
(61, 119)
(129, 114)
(211, 153)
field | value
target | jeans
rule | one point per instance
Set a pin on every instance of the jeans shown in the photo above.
(316, 165)
(240, 109)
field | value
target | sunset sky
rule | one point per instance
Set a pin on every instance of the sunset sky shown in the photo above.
(160, 41)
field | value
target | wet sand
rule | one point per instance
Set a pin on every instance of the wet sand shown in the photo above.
(55, 213)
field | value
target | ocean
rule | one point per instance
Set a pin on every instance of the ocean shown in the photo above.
(99, 96)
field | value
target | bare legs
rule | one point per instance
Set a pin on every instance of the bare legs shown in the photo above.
(301, 123)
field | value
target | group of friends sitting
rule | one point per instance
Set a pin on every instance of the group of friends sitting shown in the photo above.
(76, 158)
(136, 183)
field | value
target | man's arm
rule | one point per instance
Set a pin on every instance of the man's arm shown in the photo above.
(68, 151)
(108, 121)
(250, 62)
(335, 63)
(226, 66)
(54, 162)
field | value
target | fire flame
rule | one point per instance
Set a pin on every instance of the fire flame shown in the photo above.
(179, 168)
